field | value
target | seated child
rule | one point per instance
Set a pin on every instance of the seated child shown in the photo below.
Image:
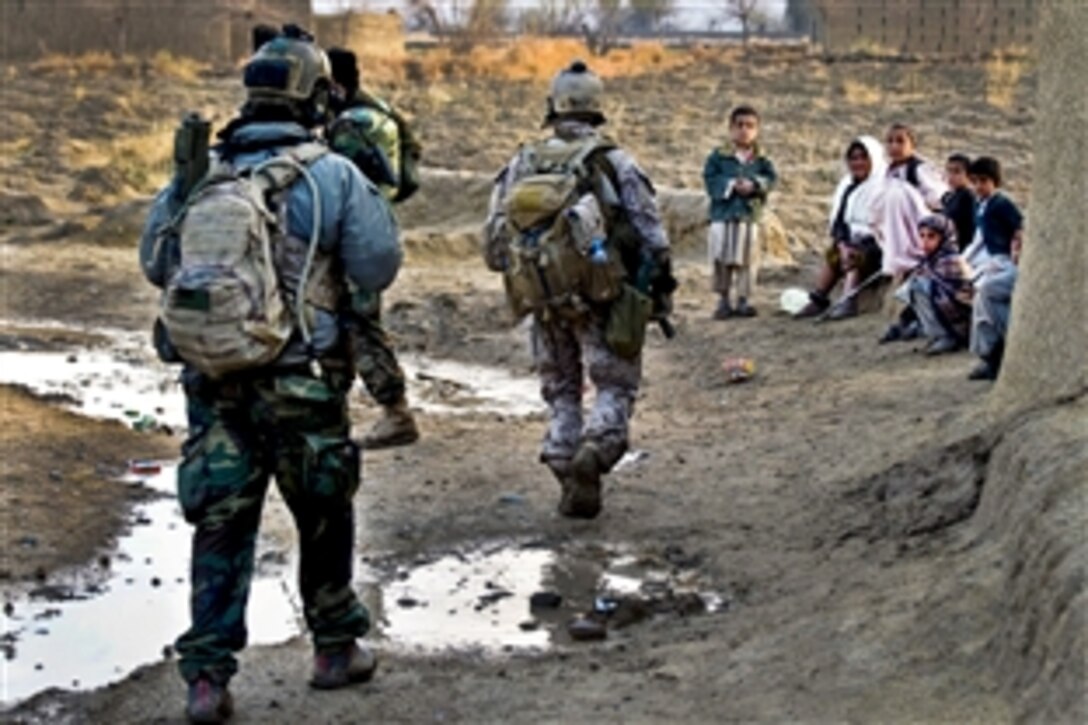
(996, 248)
(959, 203)
(913, 189)
(738, 178)
(939, 290)
(999, 224)
(854, 253)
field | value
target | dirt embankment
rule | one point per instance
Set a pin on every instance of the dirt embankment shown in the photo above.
(61, 502)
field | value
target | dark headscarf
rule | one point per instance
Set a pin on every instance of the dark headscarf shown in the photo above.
(942, 225)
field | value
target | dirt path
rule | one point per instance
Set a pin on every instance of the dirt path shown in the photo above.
(759, 490)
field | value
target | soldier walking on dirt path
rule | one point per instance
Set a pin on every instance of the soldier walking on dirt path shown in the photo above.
(257, 266)
(380, 142)
(574, 227)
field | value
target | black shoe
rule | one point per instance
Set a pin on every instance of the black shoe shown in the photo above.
(894, 333)
(582, 492)
(209, 702)
(723, 311)
(815, 307)
(983, 371)
(911, 331)
(942, 346)
(744, 309)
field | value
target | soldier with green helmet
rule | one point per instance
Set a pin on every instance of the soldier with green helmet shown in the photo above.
(574, 228)
(270, 400)
(379, 141)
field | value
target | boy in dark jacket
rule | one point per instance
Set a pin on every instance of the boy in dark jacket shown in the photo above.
(738, 179)
(996, 253)
(998, 222)
(959, 203)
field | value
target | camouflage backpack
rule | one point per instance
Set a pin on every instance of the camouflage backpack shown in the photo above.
(378, 140)
(223, 308)
(560, 253)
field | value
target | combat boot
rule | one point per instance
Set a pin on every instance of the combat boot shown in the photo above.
(209, 702)
(341, 667)
(396, 427)
(582, 492)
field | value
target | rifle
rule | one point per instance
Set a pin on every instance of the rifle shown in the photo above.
(191, 141)
(851, 295)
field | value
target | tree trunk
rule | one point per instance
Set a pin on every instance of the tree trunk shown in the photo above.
(1047, 351)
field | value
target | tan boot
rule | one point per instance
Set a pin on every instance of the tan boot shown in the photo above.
(396, 427)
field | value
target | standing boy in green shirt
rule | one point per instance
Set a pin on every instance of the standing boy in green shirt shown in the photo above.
(738, 178)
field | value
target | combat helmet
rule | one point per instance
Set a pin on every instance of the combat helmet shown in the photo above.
(576, 93)
(290, 70)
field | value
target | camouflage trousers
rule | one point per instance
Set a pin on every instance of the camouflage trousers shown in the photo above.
(294, 427)
(372, 352)
(564, 350)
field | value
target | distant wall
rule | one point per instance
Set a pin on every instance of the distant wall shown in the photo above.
(949, 27)
(214, 31)
(370, 35)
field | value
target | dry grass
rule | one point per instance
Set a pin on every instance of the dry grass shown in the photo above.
(540, 58)
(184, 69)
(141, 162)
(868, 48)
(163, 64)
(96, 62)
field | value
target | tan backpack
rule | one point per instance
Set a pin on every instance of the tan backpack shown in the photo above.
(223, 308)
(560, 256)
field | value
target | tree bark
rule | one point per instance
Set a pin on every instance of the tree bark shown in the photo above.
(1047, 351)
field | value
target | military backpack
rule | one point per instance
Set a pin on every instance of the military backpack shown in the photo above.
(224, 307)
(561, 255)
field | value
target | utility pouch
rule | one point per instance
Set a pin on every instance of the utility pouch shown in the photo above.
(625, 329)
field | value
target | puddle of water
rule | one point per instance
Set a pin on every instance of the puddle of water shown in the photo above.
(112, 385)
(447, 387)
(481, 600)
(474, 601)
(126, 382)
(117, 625)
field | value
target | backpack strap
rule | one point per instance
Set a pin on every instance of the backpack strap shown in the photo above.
(279, 172)
(617, 220)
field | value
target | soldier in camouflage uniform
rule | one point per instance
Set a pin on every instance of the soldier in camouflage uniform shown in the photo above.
(579, 449)
(288, 419)
(377, 139)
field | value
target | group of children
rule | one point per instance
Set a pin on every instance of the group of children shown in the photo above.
(949, 243)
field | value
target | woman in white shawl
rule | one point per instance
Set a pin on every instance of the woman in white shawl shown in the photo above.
(854, 227)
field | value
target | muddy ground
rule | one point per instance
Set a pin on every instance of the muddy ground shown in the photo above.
(854, 507)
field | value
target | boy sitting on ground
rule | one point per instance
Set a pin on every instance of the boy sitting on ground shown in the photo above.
(959, 201)
(997, 250)
(939, 290)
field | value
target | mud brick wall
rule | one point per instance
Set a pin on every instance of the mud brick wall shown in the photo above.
(370, 35)
(947, 27)
(214, 31)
